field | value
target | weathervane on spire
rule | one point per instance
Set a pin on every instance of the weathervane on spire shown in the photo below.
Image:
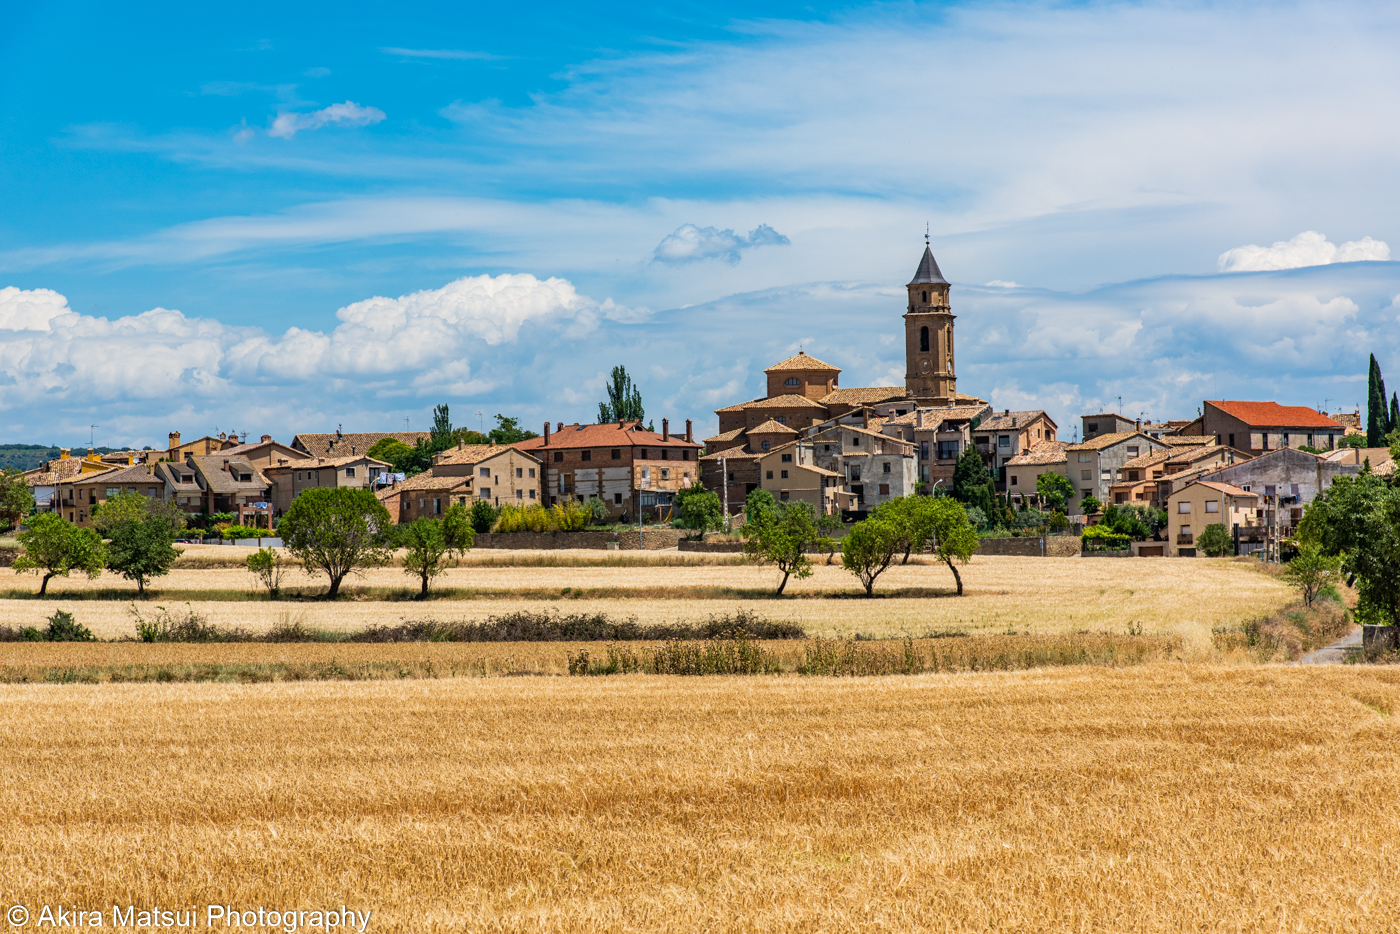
(925, 233)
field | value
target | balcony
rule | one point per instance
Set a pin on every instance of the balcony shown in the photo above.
(1185, 539)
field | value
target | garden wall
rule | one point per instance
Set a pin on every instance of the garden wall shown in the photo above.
(652, 539)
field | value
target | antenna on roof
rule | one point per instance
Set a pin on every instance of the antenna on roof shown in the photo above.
(92, 435)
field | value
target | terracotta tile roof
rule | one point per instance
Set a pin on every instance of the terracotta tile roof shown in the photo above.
(1150, 459)
(1042, 452)
(218, 480)
(59, 469)
(1186, 474)
(802, 362)
(1191, 455)
(1358, 455)
(772, 427)
(1107, 415)
(1177, 441)
(474, 453)
(1012, 420)
(138, 473)
(1273, 415)
(1225, 488)
(355, 442)
(1384, 470)
(1108, 440)
(310, 463)
(735, 454)
(174, 475)
(609, 435)
(789, 401)
(426, 481)
(868, 395)
(254, 445)
(727, 435)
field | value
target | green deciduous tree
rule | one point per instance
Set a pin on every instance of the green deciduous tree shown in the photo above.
(1055, 491)
(784, 540)
(1311, 570)
(1353, 440)
(482, 516)
(141, 550)
(16, 497)
(955, 540)
(266, 565)
(624, 399)
(1090, 505)
(760, 507)
(136, 507)
(508, 431)
(54, 547)
(914, 517)
(1215, 541)
(868, 549)
(1358, 520)
(393, 452)
(431, 543)
(699, 509)
(336, 531)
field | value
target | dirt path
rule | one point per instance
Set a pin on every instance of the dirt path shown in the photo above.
(1337, 652)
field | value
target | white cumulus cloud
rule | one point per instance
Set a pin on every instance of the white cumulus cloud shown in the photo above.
(287, 124)
(1309, 248)
(690, 244)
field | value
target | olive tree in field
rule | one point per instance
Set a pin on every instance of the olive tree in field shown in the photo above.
(337, 531)
(140, 551)
(955, 538)
(431, 543)
(53, 547)
(784, 537)
(869, 548)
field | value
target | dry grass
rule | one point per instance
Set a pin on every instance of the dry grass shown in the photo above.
(1186, 598)
(1163, 798)
(233, 556)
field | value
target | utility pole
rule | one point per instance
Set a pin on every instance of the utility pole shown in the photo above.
(724, 488)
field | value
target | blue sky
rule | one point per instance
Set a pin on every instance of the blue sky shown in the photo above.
(283, 218)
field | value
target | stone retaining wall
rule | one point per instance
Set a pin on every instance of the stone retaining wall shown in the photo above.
(687, 544)
(652, 539)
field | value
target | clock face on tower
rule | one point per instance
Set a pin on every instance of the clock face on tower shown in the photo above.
(924, 365)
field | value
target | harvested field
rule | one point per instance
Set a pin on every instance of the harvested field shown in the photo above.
(1157, 798)
(1037, 595)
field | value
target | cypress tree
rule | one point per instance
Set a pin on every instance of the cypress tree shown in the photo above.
(1377, 418)
(1394, 413)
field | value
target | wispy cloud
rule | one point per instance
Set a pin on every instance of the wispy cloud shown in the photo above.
(287, 125)
(1309, 248)
(453, 54)
(689, 244)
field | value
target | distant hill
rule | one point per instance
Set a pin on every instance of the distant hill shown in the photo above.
(29, 456)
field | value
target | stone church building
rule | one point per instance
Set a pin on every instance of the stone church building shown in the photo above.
(805, 401)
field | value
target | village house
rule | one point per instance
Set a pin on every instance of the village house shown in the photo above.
(44, 479)
(309, 473)
(1258, 427)
(1201, 503)
(791, 474)
(231, 484)
(200, 447)
(1023, 471)
(1108, 423)
(632, 470)
(1093, 466)
(347, 444)
(1151, 478)
(181, 485)
(874, 468)
(999, 438)
(265, 453)
(1288, 480)
(940, 436)
(425, 496)
(499, 474)
(75, 498)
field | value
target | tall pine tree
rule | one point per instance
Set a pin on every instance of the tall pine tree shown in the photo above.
(1394, 413)
(1377, 416)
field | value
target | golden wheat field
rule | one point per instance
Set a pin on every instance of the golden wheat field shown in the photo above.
(1036, 595)
(1159, 798)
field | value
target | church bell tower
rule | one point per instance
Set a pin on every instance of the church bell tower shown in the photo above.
(928, 336)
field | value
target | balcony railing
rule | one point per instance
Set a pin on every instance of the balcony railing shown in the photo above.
(1185, 539)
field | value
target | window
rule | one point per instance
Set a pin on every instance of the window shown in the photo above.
(349, 472)
(947, 450)
(855, 473)
(1183, 508)
(884, 489)
(1134, 475)
(783, 496)
(532, 473)
(665, 454)
(1013, 479)
(617, 454)
(1004, 441)
(519, 494)
(792, 381)
(111, 491)
(925, 295)
(617, 499)
(484, 471)
(520, 473)
(782, 419)
(532, 492)
(586, 455)
(1133, 451)
(923, 337)
(1092, 427)
(558, 457)
(1293, 489)
(461, 501)
(826, 449)
(769, 475)
(787, 458)
(784, 475)
(885, 467)
(855, 441)
(764, 445)
(1212, 506)
(1085, 458)
(1232, 440)
(665, 473)
(486, 492)
(685, 455)
(437, 507)
(641, 454)
(1084, 475)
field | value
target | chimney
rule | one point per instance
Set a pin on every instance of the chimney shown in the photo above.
(689, 433)
(222, 436)
(225, 465)
(1139, 424)
(338, 435)
(1005, 413)
(665, 429)
(266, 438)
(559, 427)
(64, 454)
(546, 434)
(174, 440)
(919, 418)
